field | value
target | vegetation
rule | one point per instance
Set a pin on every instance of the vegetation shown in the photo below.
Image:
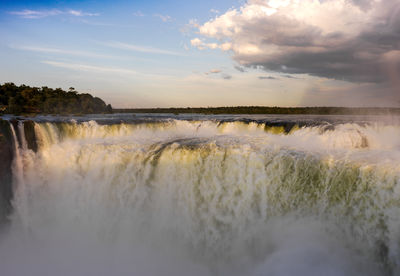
(33, 100)
(268, 110)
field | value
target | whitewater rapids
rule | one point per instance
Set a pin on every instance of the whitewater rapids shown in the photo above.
(204, 197)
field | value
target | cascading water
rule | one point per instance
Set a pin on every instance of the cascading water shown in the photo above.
(201, 197)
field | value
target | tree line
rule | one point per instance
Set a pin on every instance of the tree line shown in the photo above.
(24, 99)
(268, 110)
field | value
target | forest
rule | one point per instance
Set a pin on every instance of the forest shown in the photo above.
(24, 99)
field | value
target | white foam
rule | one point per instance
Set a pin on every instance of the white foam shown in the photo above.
(198, 198)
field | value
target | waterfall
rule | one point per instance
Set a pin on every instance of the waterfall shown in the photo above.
(205, 198)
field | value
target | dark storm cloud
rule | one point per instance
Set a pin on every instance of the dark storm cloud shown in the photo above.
(240, 68)
(341, 64)
(290, 77)
(363, 4)
(267, 78)
(344, 40)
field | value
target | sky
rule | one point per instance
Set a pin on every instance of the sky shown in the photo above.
(177, 53)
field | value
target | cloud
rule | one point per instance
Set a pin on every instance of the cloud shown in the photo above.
(164, 18)
(196, 42)
(267, 78)
(35, 14)
(214, 11)
(81, 13)
(337, 39)
(90, 68)
(349, 94)
(219, 73)
(59, 51)
(143, 49)
(291, 77)
(226, 76)
(32, 14)
(193, 24)
(139, 14)
(240, 68)
(215, 71)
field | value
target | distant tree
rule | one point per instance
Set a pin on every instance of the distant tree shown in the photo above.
(109, 108)
(25, 99)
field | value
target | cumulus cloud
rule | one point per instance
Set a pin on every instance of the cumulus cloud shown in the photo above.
(339, 39)
(187, 28)
(196, 42)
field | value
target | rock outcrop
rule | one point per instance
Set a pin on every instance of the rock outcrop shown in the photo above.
(6, 159)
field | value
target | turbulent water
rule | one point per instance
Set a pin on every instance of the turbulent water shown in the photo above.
(205, 195)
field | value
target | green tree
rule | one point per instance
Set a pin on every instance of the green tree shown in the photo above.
(26, 99)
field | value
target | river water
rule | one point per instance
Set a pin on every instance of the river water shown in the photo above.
(142, 194)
